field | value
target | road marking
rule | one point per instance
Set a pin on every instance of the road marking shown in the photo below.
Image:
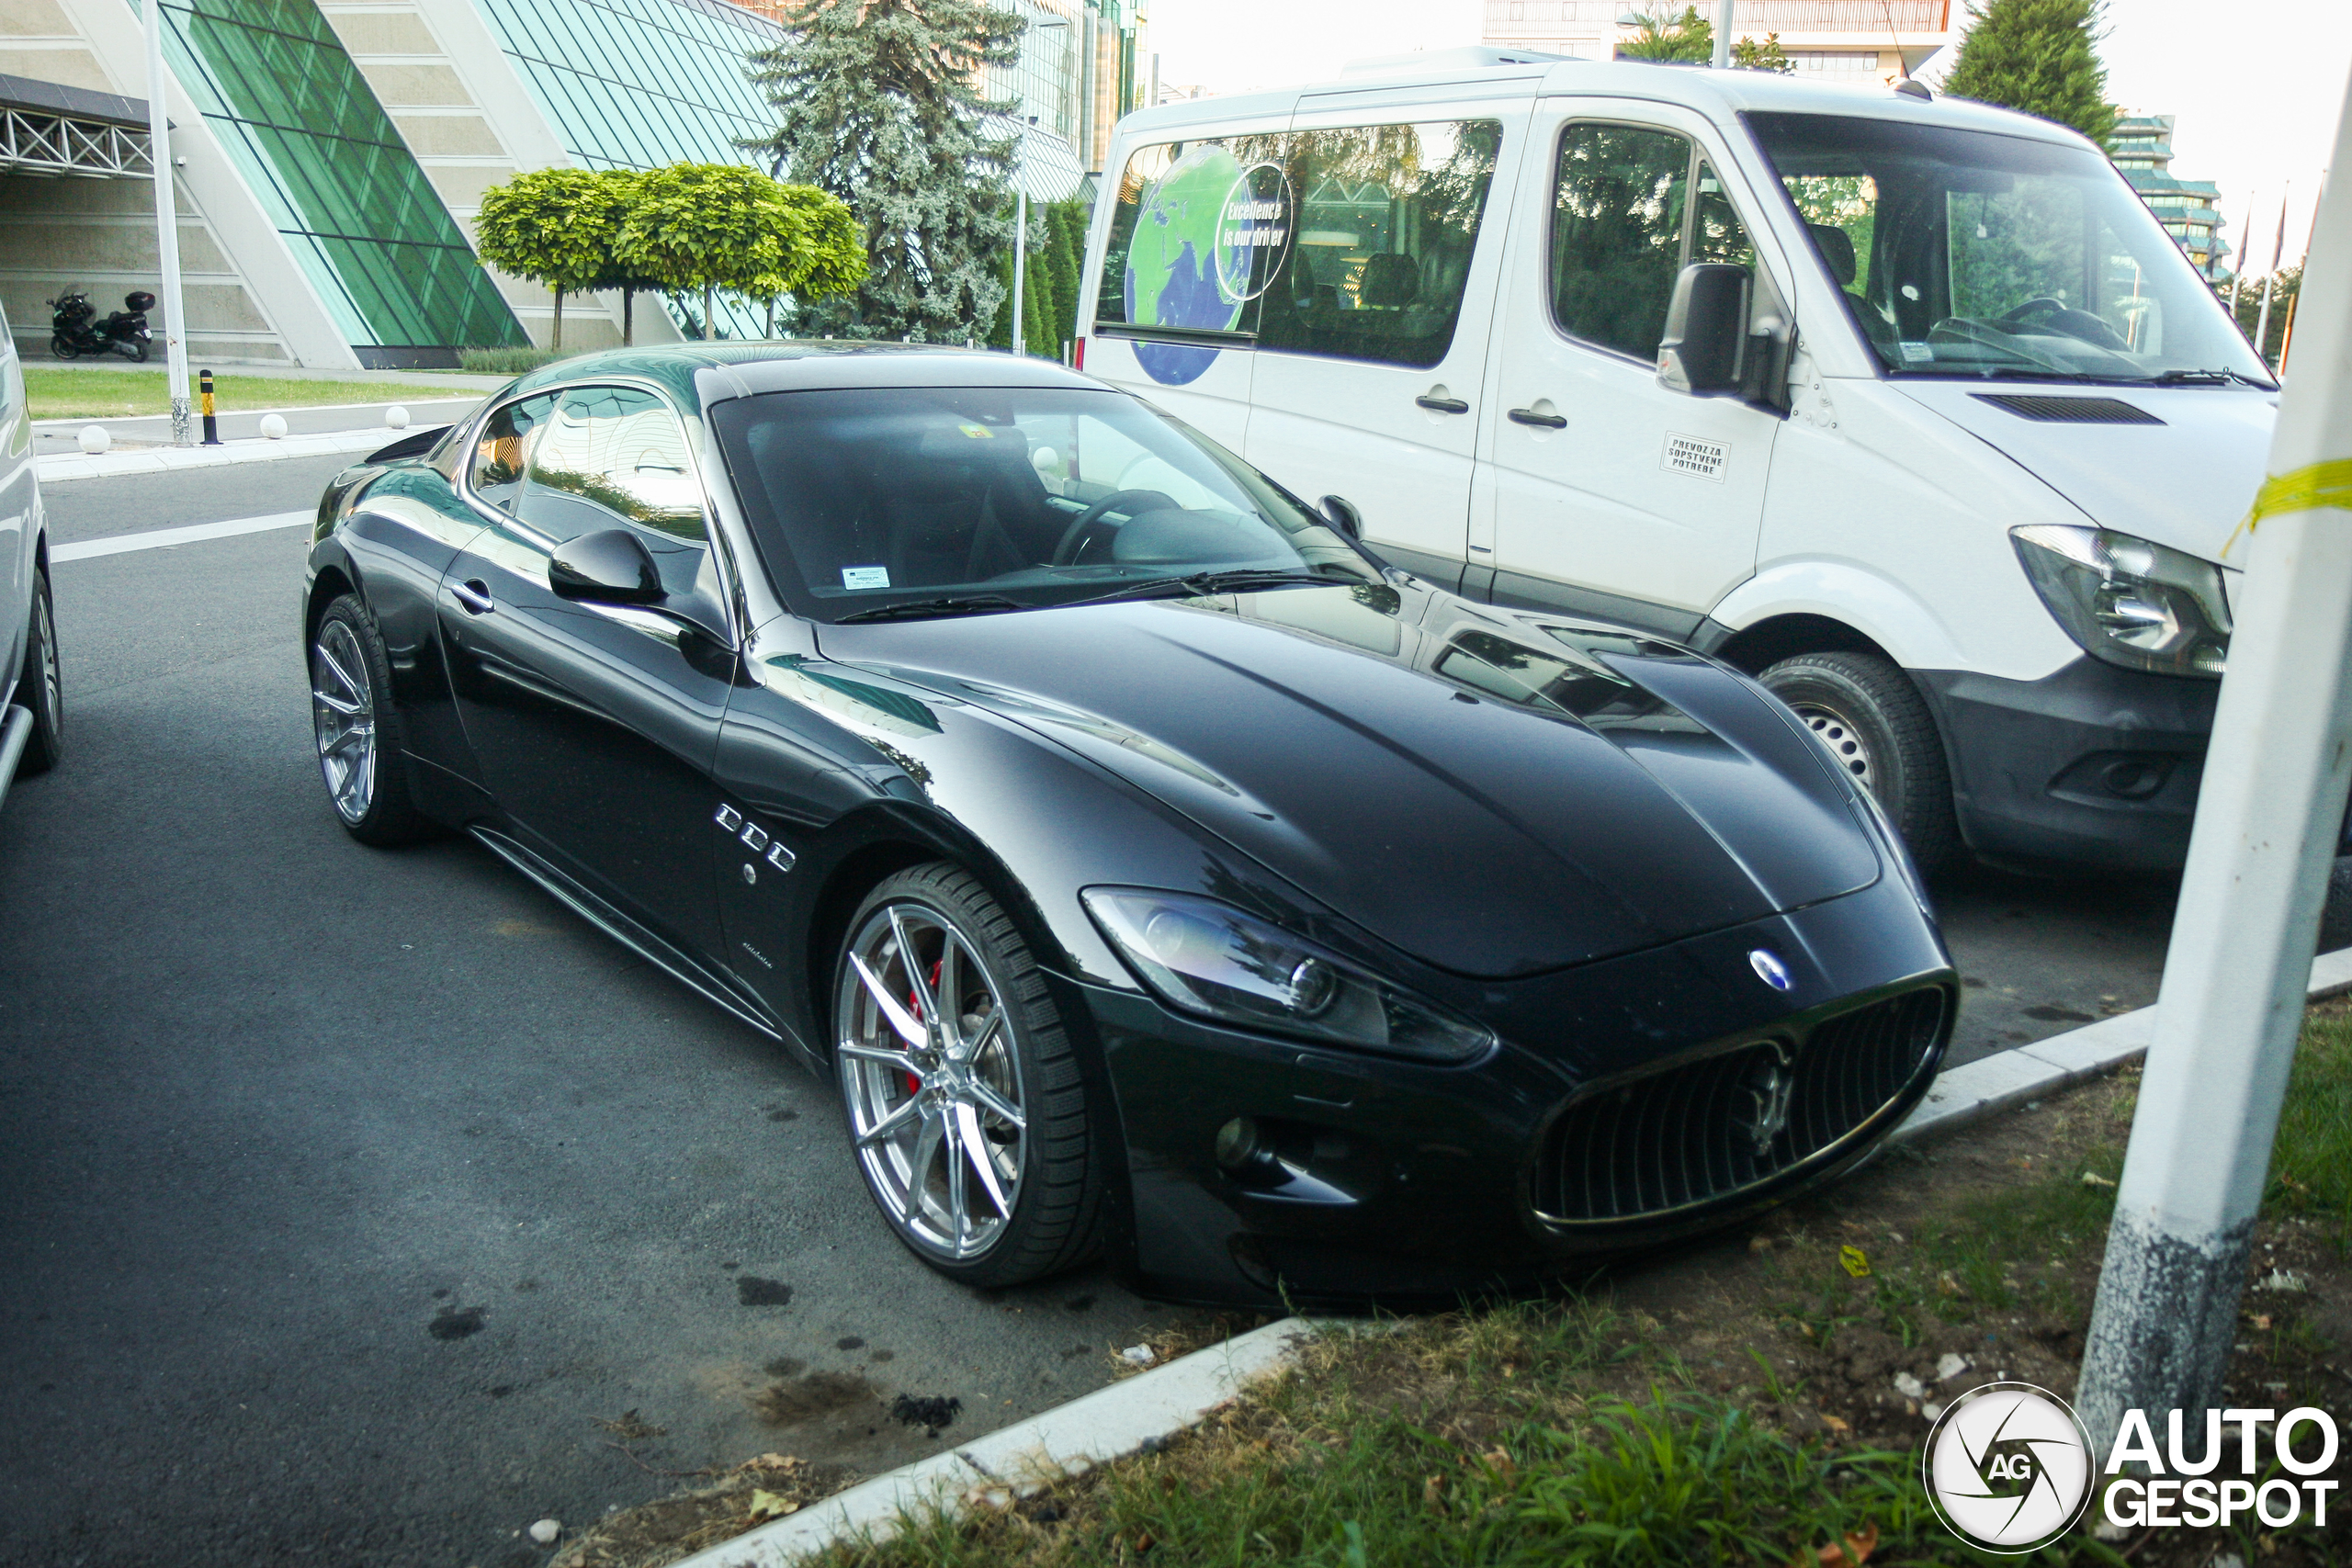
(164, 539)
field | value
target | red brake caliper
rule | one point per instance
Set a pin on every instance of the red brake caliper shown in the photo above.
(914, 1005)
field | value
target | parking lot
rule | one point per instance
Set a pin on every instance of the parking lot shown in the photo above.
(350, 1191)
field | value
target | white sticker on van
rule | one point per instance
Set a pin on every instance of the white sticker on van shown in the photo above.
(865, 577)
(1689, 455)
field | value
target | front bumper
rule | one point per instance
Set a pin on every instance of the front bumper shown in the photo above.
(1390, 1180)
(2095, 765)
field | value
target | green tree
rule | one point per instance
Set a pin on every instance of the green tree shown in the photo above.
(712, 226)
(876, 103)
(555, 227)
(2039, 57)
(2289, 283)
(1665, 36)
(1747, 54)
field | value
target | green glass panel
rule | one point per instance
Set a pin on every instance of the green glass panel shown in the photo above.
(323, 159)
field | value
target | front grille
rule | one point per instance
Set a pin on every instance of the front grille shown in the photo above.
(2068, 410)
(1689, 1134)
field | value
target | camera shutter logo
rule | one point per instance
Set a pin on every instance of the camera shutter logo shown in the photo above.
(2008, 1467)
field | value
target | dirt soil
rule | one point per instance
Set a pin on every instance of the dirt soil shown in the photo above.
(1849, 1317)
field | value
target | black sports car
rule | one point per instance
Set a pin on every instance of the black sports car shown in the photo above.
(1152, 868)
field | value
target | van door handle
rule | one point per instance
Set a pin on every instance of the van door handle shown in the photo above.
(1442, 405)
(473, 595)
(1541, 421)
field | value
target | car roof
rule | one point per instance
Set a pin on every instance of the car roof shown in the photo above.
(1720, 95)
(701, 372)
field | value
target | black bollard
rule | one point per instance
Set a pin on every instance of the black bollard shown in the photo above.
(204, 403)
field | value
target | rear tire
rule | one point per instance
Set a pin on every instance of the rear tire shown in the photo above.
(1873, 720)
(994, 1078)
(40, 687)
(357, 729)
(138, 353)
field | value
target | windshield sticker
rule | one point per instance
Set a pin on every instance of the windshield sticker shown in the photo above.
(1917, 352)
(865, 577)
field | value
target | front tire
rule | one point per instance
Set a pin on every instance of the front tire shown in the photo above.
(965, 1108)
(358, 730)
(64, 347)
(41, 688)
(1873, 720)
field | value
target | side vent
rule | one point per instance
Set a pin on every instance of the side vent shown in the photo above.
(2068, 410)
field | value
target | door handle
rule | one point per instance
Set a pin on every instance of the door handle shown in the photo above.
(1442, 405)
(1541, 420)
(473, 595)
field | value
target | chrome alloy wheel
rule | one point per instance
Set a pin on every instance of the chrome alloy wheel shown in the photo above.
(932, 1081)
(52, 686)
(343, 711)
(1843, 737)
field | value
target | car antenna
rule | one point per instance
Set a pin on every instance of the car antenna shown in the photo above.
(1908, 87)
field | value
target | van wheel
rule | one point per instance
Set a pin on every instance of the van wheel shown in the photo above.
(1874, 721)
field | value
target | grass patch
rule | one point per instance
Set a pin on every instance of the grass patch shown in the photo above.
(57, 393)
(2311, 1164)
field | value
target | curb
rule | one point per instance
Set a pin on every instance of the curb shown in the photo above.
(1068, 1439)
(1985, 1088)
(1130, 1416)
(62, 465)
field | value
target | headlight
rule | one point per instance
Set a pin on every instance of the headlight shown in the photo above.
(1200, 956)
(2128, 600)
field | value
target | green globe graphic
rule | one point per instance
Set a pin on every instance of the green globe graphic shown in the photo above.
(1171, 265)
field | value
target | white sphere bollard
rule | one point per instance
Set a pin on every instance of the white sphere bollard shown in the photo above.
(396, 418)
(273, 427)
(94, 439)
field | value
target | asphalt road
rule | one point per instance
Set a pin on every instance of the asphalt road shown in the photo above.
(344, 1192)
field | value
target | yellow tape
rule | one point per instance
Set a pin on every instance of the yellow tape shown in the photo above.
(2306, 490)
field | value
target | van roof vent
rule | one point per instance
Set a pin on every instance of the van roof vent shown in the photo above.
(2068, 410)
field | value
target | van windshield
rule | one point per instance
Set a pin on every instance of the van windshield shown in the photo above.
(1967, 252)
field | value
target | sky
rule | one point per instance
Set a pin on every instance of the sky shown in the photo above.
(2256, 84)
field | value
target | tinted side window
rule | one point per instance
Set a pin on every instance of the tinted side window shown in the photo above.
(1387, 217)
(1617, 216)
(1195, 230)
(611, 455)
(503, 448)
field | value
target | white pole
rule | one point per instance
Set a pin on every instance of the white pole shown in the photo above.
(167, 227)
(1723, 37)
(1019, 267)
(2271, 804)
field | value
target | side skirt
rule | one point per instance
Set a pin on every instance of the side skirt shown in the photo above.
(631, 935)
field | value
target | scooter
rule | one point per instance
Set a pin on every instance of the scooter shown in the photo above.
(72, 333)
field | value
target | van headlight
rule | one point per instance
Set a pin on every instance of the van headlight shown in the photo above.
(1200, 956)
(2130, 601)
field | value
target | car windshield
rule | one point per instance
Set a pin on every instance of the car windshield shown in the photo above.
(1967, 252)
(911, 501)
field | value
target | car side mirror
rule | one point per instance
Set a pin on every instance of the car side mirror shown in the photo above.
(610, 566)
(1706, 332)
(1341, 514)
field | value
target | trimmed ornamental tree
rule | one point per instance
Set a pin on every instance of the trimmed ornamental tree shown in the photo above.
(555, 227)
(704, 227)
(876, 103)
(2039, 57)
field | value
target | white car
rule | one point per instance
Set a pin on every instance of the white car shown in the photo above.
(32, 721)
(1907, 407)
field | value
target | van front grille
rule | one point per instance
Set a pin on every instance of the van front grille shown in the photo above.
(1706, 1129)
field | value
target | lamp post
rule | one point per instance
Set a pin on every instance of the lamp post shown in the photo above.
(167, 226)
(1021, 210)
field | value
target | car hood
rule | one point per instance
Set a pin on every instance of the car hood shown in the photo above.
(1344, 740)
(2185, 482)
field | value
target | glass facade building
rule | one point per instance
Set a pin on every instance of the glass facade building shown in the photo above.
(283, 98)
(636, 84)
(2142, 148)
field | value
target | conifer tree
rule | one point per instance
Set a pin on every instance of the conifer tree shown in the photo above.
(2038, 57)
(878, 102)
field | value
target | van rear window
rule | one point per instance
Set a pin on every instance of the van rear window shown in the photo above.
(1353, 242)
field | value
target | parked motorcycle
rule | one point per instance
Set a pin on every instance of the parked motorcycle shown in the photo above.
(74, 331)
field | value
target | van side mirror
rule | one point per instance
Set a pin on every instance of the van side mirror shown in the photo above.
(1706, 330)
(611, 566)
(1341, 514)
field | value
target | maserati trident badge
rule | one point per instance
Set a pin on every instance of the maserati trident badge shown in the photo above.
(1769, 969)
(1768, 1086)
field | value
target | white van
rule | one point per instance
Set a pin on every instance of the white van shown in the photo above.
(1909, 407)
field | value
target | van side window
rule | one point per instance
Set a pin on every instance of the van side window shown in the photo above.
(1624, 225)
(1173, 259)
(1387, 218)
